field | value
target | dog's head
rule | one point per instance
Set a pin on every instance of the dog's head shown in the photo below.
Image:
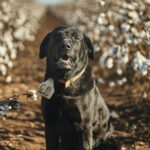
(67, 50)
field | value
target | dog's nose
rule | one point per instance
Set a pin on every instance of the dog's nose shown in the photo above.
(66, 46)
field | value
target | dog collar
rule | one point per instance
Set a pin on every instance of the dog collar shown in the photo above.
(71, 80)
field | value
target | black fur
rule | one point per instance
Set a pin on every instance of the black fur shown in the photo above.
(76, 117)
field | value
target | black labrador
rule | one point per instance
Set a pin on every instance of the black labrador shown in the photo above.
(76, 116)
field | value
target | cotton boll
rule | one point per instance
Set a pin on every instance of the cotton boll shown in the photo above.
(13, 54)
(125, 27)
(3, 50)
(111, 84)
(129, 38)
(8, 79)
(35, 97)
(147, 1)
(134, 31)
(96, 48)
(109, 63)
(102, 19)
(31, 38)
(10, 64)
(102, 61)
(131, 7)
(6, 7)
(101, 2)
(114, 115)
(111, 27)
(135, 42)
(5, 18)
(5, 59)
(122, 81)
(119, 82)
(33, 94)
(3, 69)
(1, 26)
(21, 18)
(8, 39)
(140, 64)
(119, 71)
(143, 70)
(19, 45)
(123, 148)
(147, 23)
(100, 80)
(19, 34)
(142, 34)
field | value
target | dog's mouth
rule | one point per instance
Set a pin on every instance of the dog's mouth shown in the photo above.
(65, 59)
(64, 62)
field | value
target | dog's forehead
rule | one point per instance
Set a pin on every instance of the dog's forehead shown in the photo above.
(67, 32)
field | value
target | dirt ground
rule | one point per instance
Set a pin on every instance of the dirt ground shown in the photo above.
(24, 130)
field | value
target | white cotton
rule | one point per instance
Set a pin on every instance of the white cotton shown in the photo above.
(100, 80)
(111, 84)
(33, 94)
(140, 64)
(114, 115)
(125, 27)
(135, 31)
(3, 69)
(109, 63)
(1, 26)
(134, 15)
(119, 71)
(13, 54)
(8, 79)
(123, 148)
(3, 50)
(32, 91)
(10, 64)
(96, 48)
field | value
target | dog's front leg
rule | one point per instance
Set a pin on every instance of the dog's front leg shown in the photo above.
(50, 115)
(87, 138)
(51, 139)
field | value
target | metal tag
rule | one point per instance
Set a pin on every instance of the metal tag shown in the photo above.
(46, 89)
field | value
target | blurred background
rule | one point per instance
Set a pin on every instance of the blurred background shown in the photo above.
(52, 2)
(120, 32)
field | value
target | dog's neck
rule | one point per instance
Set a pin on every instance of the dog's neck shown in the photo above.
(71, 80)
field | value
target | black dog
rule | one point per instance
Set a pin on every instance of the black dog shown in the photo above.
(76, 116)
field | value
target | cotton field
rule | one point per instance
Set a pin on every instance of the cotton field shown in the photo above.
(19, 21)
(120, 31)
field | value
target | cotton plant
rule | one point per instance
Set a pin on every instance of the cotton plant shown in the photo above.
(17, 25)
(12, 102)
(140, 64)
(115, 55)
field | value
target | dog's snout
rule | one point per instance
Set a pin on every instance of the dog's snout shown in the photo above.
(67, 46)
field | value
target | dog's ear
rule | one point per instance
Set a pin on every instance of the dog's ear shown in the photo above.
(89, 46)
(44, 46)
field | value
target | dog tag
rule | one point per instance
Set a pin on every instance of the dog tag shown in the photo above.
(46, 89)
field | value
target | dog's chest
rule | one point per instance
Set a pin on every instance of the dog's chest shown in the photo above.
(76, 110)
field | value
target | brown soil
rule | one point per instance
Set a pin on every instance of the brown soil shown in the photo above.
(24, 129)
